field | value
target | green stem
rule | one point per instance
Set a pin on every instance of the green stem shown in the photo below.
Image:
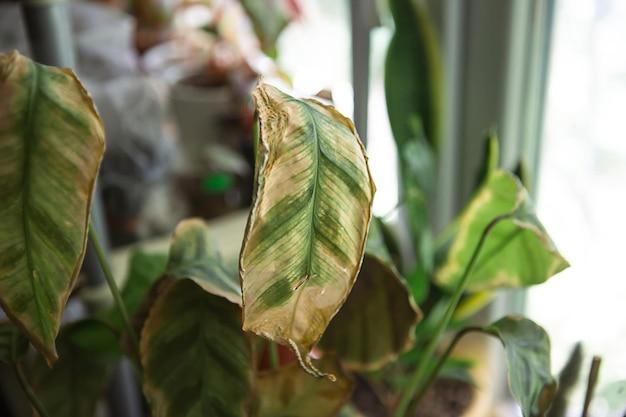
(430, 378)
(117, 297)
(32, 397)
(273, 353)
(422, 371)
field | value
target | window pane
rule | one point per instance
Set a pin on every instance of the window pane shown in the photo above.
(582, 190)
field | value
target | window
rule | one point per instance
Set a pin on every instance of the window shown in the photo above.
(582, 188)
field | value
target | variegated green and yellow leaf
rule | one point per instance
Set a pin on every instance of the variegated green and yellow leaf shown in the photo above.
(289, 392)
(378, 320)
(51, 145)
(196, 360)
(194, 255)
(306, 232)
(518, 252)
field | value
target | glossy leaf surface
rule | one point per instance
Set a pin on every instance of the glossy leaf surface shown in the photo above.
(378, 320)
(289, 392)
(306, 232)
(527, 348)
(196, 359)
(194, 255)
(517, 253)
(51, 145)
(73, 385)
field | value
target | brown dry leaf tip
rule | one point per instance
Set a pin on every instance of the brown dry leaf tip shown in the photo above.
(308, 366)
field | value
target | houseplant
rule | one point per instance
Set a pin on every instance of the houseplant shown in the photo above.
(310, 278)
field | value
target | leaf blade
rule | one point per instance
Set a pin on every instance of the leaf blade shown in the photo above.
(306, 232)
(213, 376)
(13, 345)
(413, 73)
(194, 255)
(518, 252)
(73, 386)
(527, 348)
(289, 392)
(378, 320)
(52, 143)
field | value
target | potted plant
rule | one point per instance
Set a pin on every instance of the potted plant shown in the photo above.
(315, 275)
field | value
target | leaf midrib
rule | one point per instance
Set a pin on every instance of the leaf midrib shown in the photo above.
(28, 135)
(302, 282)
(309, 263)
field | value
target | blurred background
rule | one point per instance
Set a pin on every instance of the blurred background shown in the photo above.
(172, 81)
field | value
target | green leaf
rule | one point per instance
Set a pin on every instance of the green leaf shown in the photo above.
(522, 172)
(491, 158)
(194, 255)
(378, 320)
(51, 145)
(196, 360)
(615, 396)
(527, 348)
(306, 231)
(390, 241)
(144, 270)
(289, 392)
(13, 344)
(74, 384)
(269, 18)
(418, 161)
(413, 74)
(517, 253)
(417, 166)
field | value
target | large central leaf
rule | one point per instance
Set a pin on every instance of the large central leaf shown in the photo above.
(51, 145)
(306, 232)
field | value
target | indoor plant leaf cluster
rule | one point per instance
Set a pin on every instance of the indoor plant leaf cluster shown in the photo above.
(308, 271)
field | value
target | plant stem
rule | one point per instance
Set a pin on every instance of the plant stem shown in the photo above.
(430, 378)
(32, 397)
(273, 353)
(422, 371)
(117, 297)
(591, 383)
